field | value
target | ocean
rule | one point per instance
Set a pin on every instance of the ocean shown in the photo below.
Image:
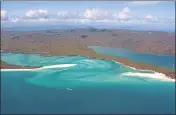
(77, 84)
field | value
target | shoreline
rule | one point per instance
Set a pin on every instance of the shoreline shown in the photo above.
(25, 68)
(90, 53)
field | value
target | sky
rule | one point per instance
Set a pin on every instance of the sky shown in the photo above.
(101, 13)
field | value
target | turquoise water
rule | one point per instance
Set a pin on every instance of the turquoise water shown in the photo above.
(151, 58)
(77, 84)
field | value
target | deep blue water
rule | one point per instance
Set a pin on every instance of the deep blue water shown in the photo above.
(151, 58)
(82, 85)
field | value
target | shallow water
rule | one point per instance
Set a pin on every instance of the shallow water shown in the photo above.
(151, 58)
(77, 84)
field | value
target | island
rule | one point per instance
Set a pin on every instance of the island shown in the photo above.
(69, 42)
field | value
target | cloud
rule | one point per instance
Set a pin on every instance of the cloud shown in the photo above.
(74, 21)
(4, 15)
(95, 14)
(144, 2)
(100, 14)
(151, 18)
(39, 20)
(36, 14)
(67, 15)
(15, 19)
(169, 21)
(43, 19)
(126, 10)
(88, 16)
(123, 15)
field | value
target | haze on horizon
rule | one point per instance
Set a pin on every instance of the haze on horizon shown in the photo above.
(141, 14)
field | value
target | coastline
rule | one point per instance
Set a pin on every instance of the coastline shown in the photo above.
(82, 50)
